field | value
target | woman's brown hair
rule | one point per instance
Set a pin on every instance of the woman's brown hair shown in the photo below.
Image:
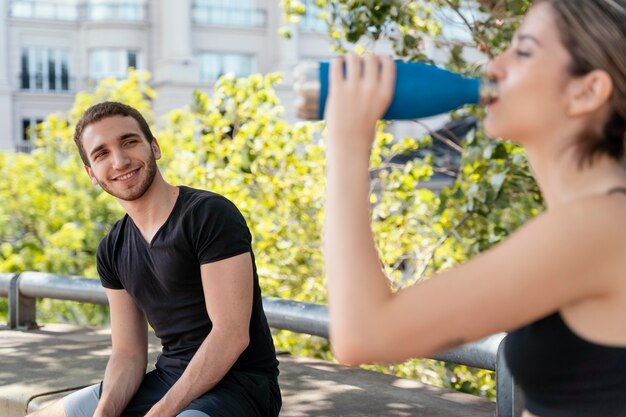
(594, 33)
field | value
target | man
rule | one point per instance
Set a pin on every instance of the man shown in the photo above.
(181, 260)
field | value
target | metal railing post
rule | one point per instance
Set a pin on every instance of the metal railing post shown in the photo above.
(13, 302)
(509, 399)
(22, 310)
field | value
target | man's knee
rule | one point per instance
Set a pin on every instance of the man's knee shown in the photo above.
(192, 413)
(82, 403)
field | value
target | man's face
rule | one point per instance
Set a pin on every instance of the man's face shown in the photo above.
(122, 161)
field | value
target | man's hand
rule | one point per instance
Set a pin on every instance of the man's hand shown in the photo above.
(127, 364)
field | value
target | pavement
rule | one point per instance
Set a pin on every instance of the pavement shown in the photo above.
(40, 366)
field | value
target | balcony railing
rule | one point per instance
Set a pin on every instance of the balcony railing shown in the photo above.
(24, 147)
(229, 16)
(129, 11)
(51, 10)
(43, 83)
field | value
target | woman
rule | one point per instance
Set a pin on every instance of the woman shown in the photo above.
(561, 279)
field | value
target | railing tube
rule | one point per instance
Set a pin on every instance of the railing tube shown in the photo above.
(296, 316)
(43, 285)
(480, 354)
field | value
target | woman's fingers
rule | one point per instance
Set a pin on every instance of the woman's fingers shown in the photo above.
(336, 71)
(364, 84)
(371, 70)
(387, 78)
(354, 68)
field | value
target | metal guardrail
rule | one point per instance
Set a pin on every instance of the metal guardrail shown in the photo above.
(23, 290)
(60, 287)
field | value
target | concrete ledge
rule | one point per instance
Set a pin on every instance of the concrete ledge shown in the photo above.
(43, 365)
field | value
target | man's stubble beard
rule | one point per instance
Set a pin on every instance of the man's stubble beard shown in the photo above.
(140, 189)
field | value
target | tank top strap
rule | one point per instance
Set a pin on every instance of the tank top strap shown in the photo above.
(617, 190)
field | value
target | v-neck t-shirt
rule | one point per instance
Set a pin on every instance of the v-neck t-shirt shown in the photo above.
(163, 276)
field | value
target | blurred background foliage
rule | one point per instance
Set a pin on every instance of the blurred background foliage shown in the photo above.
(235, 141)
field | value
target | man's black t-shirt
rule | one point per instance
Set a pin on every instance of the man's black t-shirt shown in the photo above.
(163, 277)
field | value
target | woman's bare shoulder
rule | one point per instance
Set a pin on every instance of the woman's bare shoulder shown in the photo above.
(602, 214)
(592, 228)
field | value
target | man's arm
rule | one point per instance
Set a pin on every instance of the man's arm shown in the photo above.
(127, 364)
(227, 286)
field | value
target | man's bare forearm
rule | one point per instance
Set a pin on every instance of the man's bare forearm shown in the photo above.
(122, 378)
(212, 361)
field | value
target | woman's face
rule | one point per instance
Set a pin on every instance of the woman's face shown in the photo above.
(532, 77)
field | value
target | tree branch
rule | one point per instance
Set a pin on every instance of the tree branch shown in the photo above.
(450, 143)
(439, 243)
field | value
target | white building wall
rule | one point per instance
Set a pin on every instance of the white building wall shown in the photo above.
(6, 103)
(168, 41)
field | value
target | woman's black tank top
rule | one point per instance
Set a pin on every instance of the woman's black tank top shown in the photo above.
(563, 375)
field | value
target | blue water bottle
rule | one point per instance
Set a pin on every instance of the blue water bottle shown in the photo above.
(421, 90)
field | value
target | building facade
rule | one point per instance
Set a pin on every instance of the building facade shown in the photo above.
(51, 49)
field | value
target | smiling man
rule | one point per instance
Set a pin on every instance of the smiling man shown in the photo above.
(180, 260)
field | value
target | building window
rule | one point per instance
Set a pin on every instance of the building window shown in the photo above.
(112, 63)
(229, 13)
(215, 64)
(128, 10)
(45, 69)
(29, 134)
(310, 20)
(46, 9)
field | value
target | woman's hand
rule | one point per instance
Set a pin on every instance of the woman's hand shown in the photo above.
(357, 100)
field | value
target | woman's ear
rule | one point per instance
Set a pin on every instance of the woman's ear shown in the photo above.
(589, 92)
